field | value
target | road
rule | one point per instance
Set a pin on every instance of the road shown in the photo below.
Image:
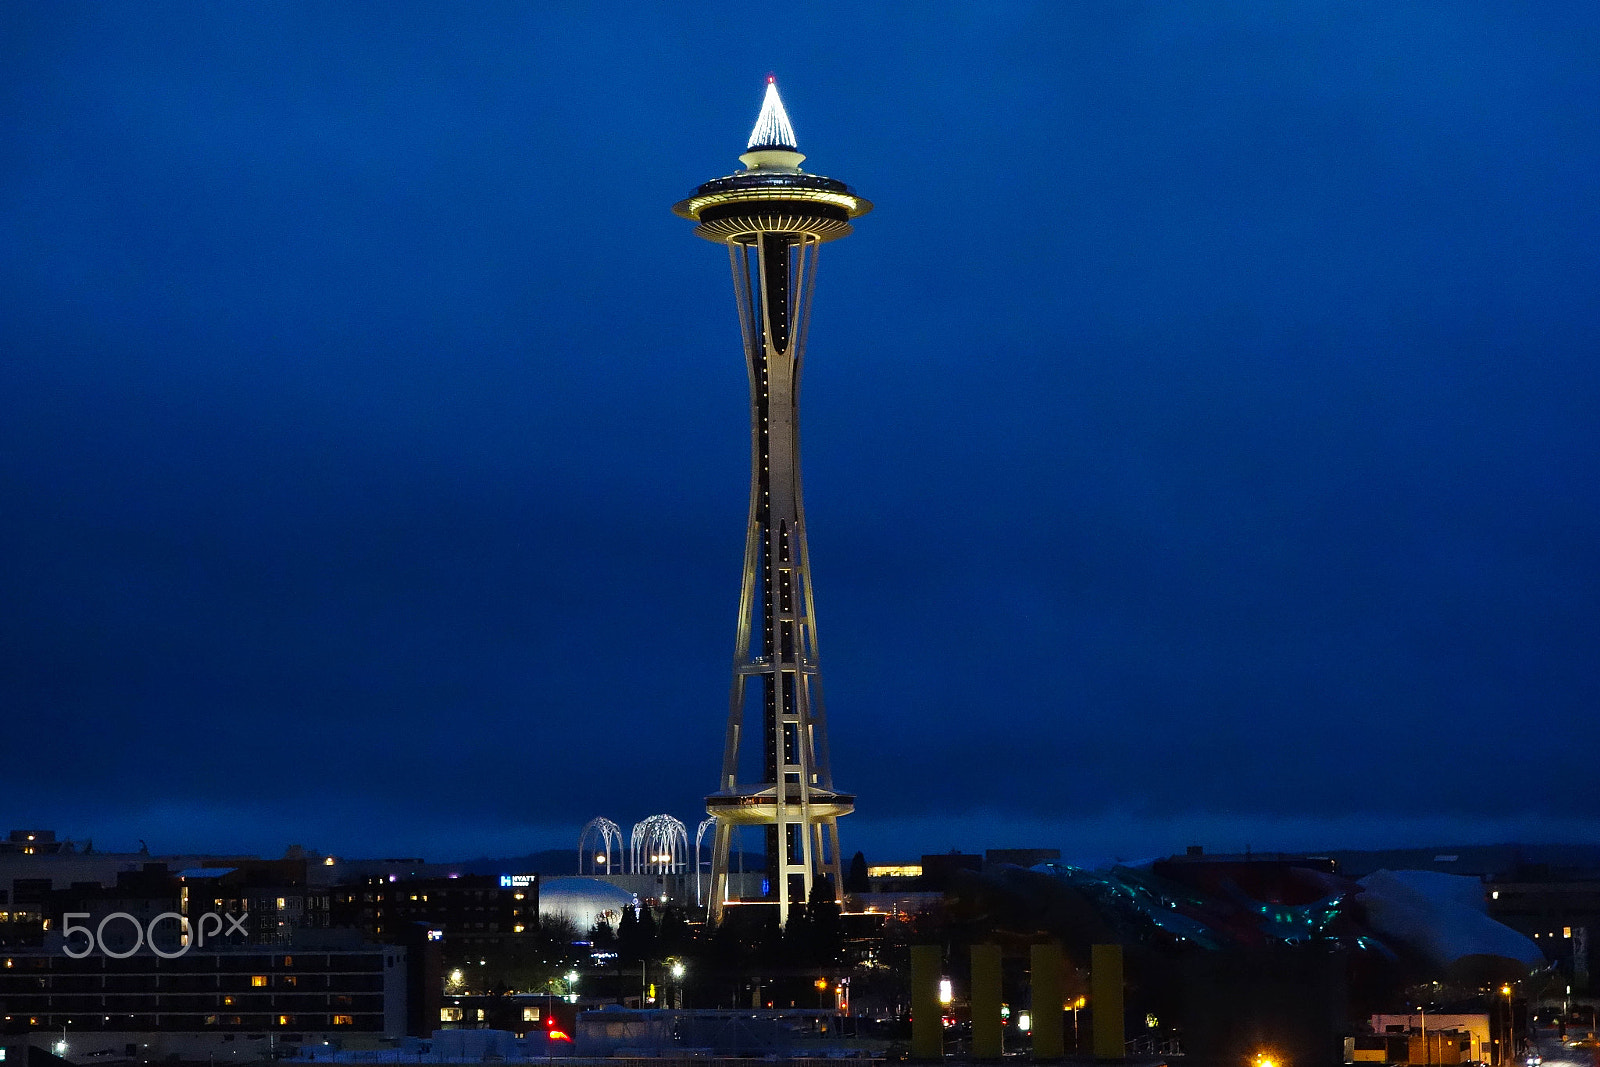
(1556, 1054)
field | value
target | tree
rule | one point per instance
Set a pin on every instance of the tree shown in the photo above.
(629, 948)
(602, 937)
(767, 945)
(827, 930)
(797, 946)
(855, 879)
(674, 938)
(649, 935)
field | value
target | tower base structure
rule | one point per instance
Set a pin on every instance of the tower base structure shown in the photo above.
(801, 831)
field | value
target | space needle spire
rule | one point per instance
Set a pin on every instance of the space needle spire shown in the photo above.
(773, 129)
(773, 217)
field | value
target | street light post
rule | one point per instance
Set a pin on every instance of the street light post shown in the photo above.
(1508, 1044)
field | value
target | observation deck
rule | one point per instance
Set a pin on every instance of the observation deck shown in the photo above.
(756, 805)
(772, 194)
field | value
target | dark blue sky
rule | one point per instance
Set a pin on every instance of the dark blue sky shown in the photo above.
(1200, 435)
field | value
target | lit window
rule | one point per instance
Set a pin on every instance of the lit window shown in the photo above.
(449, 1015)
(480, 1015)
(227, 1002)
(282, 903)
(288, 961)
(259, 981)
(517, 929)
(344, 1020)
(211, 1020)
(530, 1015)
(286, 1020)
(1566, 931)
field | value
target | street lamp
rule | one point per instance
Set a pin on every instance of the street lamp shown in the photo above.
(1508, 1045)
(1076, 1004)
(678, 971)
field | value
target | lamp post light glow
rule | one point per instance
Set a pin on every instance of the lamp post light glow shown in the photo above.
(677, 970)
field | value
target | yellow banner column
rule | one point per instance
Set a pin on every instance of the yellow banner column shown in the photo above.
(986, 1040)
(1045, 1007)
(1106, 990)
(927, 1021)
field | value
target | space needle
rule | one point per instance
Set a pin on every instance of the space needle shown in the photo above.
(773, 217)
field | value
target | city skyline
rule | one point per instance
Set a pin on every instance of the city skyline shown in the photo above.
(1201, 450)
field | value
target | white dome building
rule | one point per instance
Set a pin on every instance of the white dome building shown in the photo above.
(585, 901)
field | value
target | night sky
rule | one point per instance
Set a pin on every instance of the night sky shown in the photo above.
(1200, 436)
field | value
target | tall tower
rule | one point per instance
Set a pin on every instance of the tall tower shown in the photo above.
(773, 217)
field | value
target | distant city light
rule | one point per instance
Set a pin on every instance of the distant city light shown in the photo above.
(946, 993)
